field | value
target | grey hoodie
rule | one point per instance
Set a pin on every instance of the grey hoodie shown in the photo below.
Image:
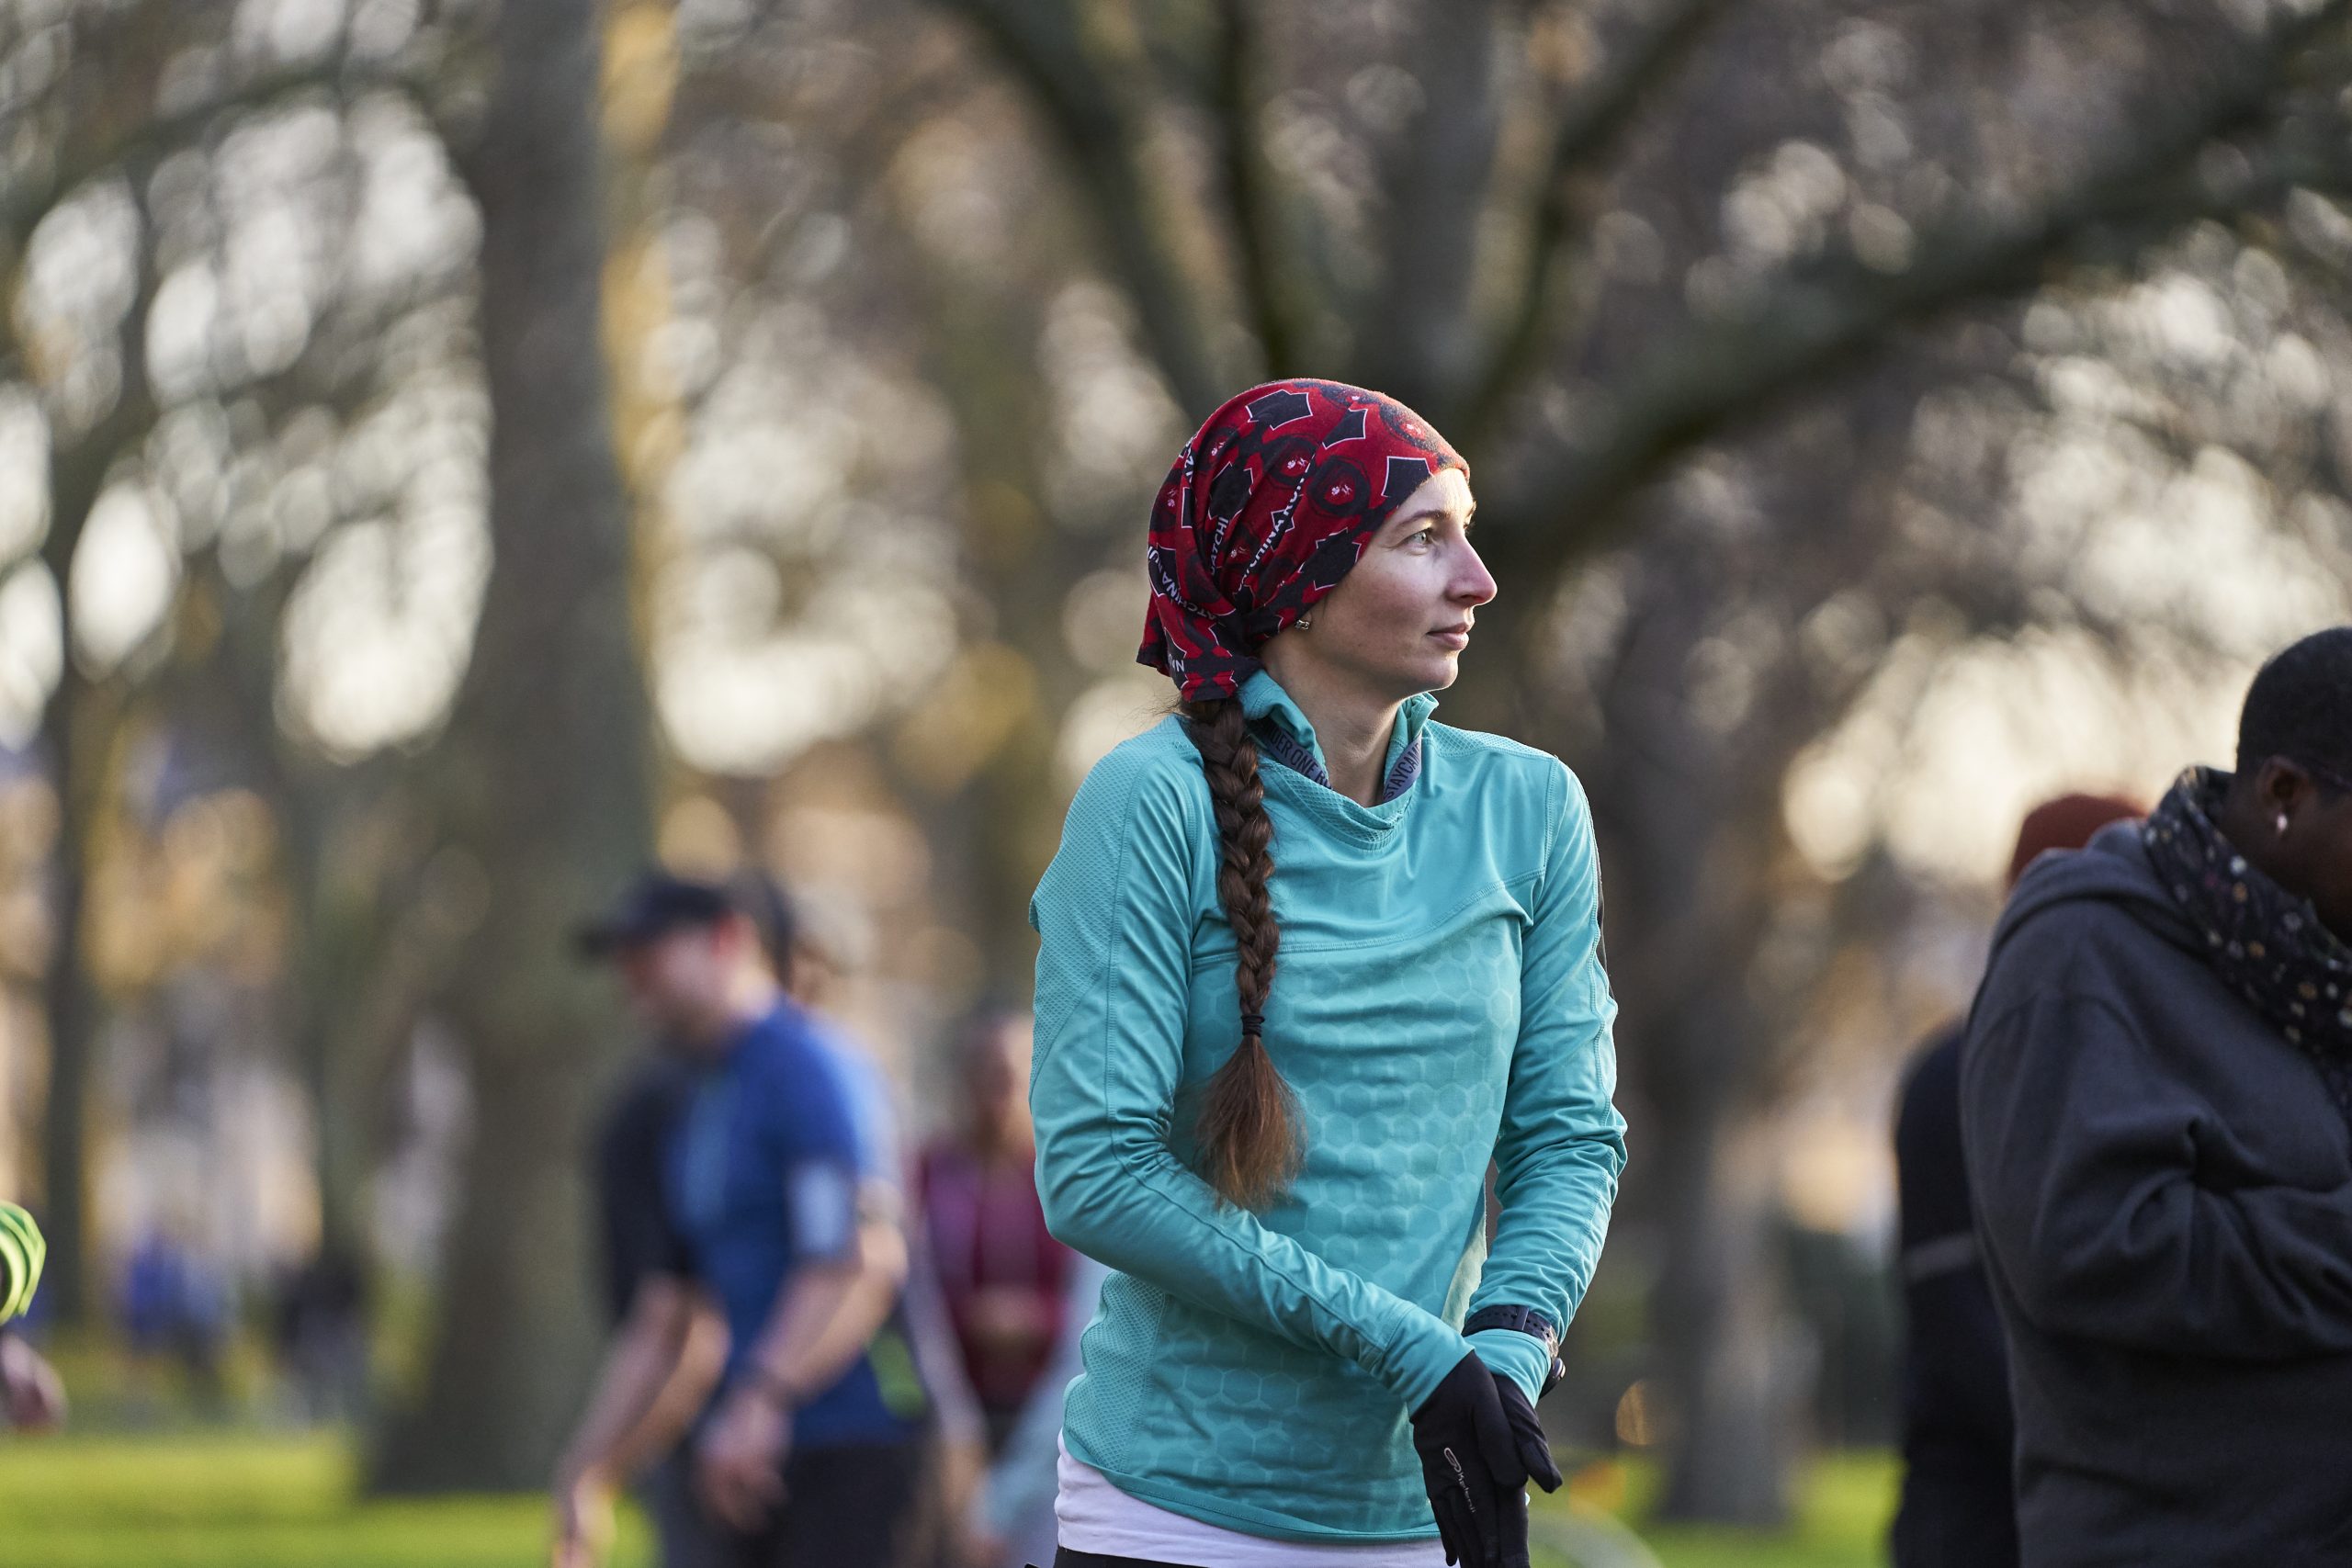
(2164, 1196)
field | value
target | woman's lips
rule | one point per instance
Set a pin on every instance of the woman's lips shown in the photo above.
(1455, 638)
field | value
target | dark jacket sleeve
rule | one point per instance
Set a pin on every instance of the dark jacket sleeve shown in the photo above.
(2100, 1204)
(1958, 1365)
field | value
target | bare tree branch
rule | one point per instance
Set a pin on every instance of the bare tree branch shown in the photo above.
(1412, 340)
(1269, 285)
(132, 149)
(1087, 85)
(1704, 379)
(23, 205)
(1588, 134)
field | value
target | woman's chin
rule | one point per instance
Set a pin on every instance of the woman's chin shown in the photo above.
(1406, 684)
(1436, 672)
(1423, 669)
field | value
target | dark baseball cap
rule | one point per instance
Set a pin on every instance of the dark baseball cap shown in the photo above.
(654, 905)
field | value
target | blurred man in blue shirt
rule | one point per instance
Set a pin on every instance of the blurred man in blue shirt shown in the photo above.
(780, 1185)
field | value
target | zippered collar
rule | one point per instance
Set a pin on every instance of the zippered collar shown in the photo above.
(1267, 705)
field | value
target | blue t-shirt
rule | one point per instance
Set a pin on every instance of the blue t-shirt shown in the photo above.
(777, 1139)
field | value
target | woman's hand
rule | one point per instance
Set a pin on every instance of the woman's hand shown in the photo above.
(1472, 1466)
(1527, 1430)
(1536, 1453)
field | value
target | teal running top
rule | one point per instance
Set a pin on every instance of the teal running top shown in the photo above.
(1439, 1000)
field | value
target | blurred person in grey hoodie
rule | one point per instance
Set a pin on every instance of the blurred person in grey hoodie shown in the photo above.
(2156, 1109)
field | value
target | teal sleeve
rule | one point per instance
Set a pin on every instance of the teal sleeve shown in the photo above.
(1561, 1145)
(1114, 915)
(1519, 1357)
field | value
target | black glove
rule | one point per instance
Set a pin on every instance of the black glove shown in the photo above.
(1471, 1465)
(1527, 1430)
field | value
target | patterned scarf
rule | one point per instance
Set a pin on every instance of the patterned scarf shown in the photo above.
(1267, 508)
(2266, 945)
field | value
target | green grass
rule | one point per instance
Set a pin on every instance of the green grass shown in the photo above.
(1841, 1522)
(237, 1500)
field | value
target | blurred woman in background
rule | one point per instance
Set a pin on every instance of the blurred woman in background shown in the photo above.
(1000, 1272)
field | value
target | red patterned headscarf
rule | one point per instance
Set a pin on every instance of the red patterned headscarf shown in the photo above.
(1266, 510)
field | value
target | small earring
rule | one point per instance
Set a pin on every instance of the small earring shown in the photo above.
(1304, 622)
(2283, 824)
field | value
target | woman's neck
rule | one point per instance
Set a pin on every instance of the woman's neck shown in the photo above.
(1353, 726)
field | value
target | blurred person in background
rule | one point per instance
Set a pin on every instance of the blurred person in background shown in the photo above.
(32, 1397)
(650, 1304)
(174, 1304)
(813, 960)
(1959, 1509)
(1000, 1272)
(320, 1327)
(1013, 1520)
(2156, 1109)
(779, 1190)
(1305, 1356)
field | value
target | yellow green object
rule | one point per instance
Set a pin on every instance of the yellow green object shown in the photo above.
(22, 1252)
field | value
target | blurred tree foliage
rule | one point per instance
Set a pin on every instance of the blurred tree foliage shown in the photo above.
(186, 334)
(461, 378)
(280, 315)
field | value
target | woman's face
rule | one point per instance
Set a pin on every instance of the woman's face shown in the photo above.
(1397, 623)
(996, 1075)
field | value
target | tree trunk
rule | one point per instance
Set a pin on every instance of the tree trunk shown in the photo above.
(1692, 1041)
(77, 732)
(1724, 1373)
(1685, 819)
(329, 974)
(79, 728)
(549, 778)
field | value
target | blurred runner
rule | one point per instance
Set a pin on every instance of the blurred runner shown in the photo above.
(811, 969)
(1001, 1272)
(779, 1185)
(176, 1306)
(652, 1306)
(321, 1326)
(1959, 1509)
(1013, 1517)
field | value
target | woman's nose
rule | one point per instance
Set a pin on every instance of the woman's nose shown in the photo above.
(1475, 583)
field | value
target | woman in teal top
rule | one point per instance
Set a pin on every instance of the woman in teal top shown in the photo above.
(1305, 1354)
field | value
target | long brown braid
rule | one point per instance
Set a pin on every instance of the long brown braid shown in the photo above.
(1249, 1126)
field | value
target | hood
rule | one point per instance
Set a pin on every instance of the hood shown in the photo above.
(2113, 869)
